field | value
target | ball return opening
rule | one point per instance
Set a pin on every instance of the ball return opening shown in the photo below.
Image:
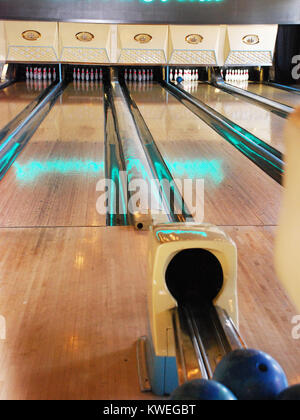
(192, 305)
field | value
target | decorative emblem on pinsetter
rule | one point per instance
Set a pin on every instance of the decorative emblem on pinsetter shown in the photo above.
(194, 39)
(143, 38)
(85, 36)
(251, 39)
(31, 35)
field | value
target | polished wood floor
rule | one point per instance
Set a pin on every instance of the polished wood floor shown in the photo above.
(74, 310)
(279, 95)
(73, 292)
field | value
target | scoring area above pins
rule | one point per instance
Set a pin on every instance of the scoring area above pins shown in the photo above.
(188, 75)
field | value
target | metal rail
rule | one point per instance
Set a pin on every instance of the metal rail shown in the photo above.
(114, 164)
(6, 83)
(203, 335)
(283, 87)
(269, 160)
(174, 203)
(275, 107)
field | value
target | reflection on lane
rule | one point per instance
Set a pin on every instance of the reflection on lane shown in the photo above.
(278, 95)
(262, 123)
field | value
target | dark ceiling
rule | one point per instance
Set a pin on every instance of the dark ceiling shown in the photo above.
(154, 11)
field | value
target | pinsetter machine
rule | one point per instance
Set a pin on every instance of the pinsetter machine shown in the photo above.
(192, 304)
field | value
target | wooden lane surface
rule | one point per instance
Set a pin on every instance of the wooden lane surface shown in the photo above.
(53, 182)
(275, 94)
(14, 99)
(263, 124)
(237, 192)
(74, 310)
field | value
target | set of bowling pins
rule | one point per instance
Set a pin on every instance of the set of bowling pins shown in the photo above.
(87, 74)
(187, 75)
(37, 73)
(140, 75)
(237, 75)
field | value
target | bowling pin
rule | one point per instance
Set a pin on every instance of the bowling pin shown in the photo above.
(144, 75)
(92, 75)
(130, 75)
(45, 74)
(39, 74)
(49, 74)
(101, 74)
(134, 75)
(87, 75)
(148, 75)
(171, 75)
(31, 73)
(27, 73)
(74, 74)
(140, 76)
(54, 74)
(125, 74)
(96, 75)
(151, 75)
(78, 74)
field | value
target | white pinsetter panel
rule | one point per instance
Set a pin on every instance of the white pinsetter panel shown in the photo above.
(250, 45)
(84, 43)
(32, 41)
(2, 45)
(142, 44)
(195, 44)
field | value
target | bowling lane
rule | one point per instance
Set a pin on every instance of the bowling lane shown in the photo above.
(53, 181)
(15, 98)
(260, 122)
(236, 192)
(279, 95)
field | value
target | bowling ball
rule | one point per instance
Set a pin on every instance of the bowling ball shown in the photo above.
(251, 375)
(179, 79)
(290, 394)
(202, 390)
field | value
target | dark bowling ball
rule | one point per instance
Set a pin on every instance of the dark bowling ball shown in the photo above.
(290, 394)
(179, 79)
(251, 375)
(202, 390)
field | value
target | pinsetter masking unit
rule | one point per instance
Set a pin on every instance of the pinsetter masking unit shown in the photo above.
(192, 304)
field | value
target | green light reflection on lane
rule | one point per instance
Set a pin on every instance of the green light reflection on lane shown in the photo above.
(189, 169)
